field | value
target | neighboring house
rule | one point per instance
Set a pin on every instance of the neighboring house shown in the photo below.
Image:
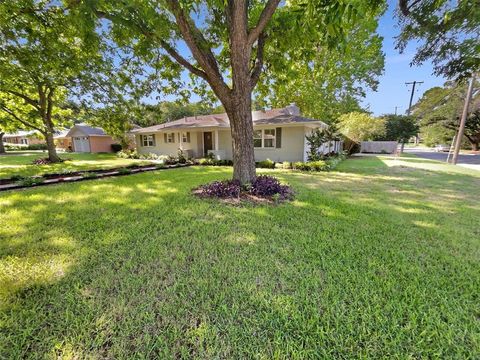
(86, 138)
(23, 138)
(62, 141)
(279, 135)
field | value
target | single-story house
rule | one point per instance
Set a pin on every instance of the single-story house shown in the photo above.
(62, 141)
(278, 135)
(87, 138)
(23, 138)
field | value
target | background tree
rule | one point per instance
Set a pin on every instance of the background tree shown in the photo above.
(449, 33)
(438, 112)
(400, 128)
(41, 59)
(226, 39)
(7, 125)
(358, 126)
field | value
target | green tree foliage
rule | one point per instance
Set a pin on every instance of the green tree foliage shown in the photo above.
(400, 128)
(324, 82)
(359, 126)
(321, 137)
(439, 110)
(41, 58)
(448, 33)
(151, 114)
(228, 43)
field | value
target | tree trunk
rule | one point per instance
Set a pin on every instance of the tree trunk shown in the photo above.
(52, 151)
(2, 148)
(475, 146)
(242, 140)
(402, 147)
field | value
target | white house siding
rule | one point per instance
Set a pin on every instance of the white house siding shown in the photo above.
(163, 148)
(291, 149)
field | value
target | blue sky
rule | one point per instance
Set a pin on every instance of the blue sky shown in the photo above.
(392, 90)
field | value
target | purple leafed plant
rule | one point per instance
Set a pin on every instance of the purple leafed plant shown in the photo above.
(222, 189)
(266, 186)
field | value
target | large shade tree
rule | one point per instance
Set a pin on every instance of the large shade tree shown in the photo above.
(438, 112)
(447, 32)
(323, 81)
(227, 44)
(42, 59)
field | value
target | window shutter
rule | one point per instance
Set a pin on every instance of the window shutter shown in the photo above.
(278, 137)
(141, 140)
(165, 137)
(178, 135)
(154, 140)
(188, 136)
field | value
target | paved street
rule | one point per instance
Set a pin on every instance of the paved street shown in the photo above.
(468, 160)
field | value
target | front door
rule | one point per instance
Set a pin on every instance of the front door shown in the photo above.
(207, 142)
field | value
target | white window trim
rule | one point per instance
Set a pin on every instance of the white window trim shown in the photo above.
(143, 139)
(185, 137)
(263, 139)
(171, 138)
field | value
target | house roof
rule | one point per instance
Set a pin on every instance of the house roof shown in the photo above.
(87, 130)
(20, 133)
(282, 116)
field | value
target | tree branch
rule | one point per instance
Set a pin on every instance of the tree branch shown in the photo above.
(23, 122)
(27, 99)
(182, 61)
(258, 67)
(204, 56)
(265, 17)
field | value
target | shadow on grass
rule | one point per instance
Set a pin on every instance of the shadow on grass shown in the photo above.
(364, 263)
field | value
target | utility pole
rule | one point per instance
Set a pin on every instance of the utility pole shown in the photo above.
(463, 120)
(413, 83)
(396, 107)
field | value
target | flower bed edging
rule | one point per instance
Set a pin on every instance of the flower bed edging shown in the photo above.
(76, 177)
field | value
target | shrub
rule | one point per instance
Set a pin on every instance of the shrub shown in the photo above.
(286, 165)
(128, 154)
(116, 148)
(124, 171)
(31, 181)
(267, 186)
(170, 160)
(266, 164)
(17, 177)
(181, 156)
(89, 175)
(222, 189)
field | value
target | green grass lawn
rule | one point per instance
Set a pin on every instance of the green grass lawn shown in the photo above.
(20, 163)
(378, 259)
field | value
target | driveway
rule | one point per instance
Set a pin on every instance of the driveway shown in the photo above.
(467, 160)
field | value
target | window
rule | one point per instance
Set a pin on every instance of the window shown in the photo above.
(24, 141)
(186, 137)
(257, 138)
(148, 140)
(264, 138)
(269, 138)
(170, 137)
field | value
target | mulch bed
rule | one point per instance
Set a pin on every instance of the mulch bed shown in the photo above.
(244, 198)
(55, 178)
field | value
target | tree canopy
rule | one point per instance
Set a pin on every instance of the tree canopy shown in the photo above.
(438, 112)
(448, 34)
(42, 58)
(360, 126)
(327, 81)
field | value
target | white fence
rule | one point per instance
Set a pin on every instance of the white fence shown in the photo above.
(379, 147)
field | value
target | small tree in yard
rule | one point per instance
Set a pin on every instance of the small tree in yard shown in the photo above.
(226, 39)
(359, 126)
(400, 128)
(315, 141)
(41, 57)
